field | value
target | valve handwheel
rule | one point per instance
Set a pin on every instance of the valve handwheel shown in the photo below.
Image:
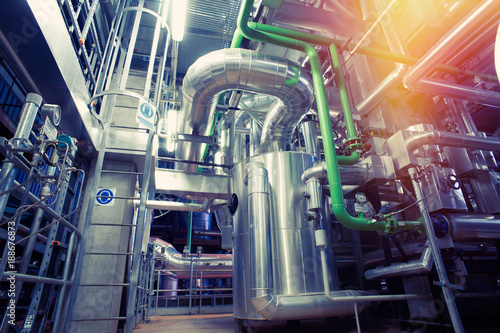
(454, 182)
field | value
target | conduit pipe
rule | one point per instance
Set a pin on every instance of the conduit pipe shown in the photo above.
(457, 91)
(423, 265)
(237, 69)
(351, 175)
(452, 40)
(261, 283)
(265, 302)
(394, 78)
(338, 206)
(175, 206)
(419, 139)
(176, 262)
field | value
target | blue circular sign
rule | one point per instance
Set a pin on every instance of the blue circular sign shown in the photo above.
(146, 110)
(104, 196)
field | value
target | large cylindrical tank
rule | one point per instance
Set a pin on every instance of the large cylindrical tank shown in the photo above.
(295, 258)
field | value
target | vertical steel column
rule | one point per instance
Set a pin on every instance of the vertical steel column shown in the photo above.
(436, 254)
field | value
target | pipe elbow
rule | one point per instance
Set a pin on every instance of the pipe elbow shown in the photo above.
(266, 305)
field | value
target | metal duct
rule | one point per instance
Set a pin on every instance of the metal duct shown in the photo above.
(291, 307)
(451, 41)
(423, 265)
(177, 263)
(457, 91)
(357, 174)
(451, 139)
(258, 217)
(474, 227)
(238, 69)
(308, 128)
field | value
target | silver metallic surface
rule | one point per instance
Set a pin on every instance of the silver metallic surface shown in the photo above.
(175, 206)
(192, 184)
(393, 78)
(236, 69)
(261, 268)
(28, 114)
(436, 254)
(295, 257)
(314, 200)
(457, 91)
(423, 265)
(175, 262)
(458, 35)
(439, 193)
(452, 140)
(310, 133)
(474, 227)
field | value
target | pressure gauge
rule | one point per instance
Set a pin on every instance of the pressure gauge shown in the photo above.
(53, 112)
(360, 197)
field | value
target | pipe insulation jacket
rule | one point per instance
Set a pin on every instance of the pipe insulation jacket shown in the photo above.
(245, 70)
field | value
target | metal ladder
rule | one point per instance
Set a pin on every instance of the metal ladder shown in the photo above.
(112, 82)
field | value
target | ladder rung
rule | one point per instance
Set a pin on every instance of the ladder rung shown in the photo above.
(124, 172)
(106, 285)
(108, 318)
(115, 225)
(111, 253)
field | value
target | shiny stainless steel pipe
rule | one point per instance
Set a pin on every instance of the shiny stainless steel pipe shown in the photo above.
(261, 276)
(474, 227)
(394, 78)
(457, 91)
(451, 41)
(238, 69)
(177, 263)
(350, 174)
(423, 265)
(419, 139)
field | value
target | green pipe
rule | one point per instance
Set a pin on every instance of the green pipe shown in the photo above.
(344, 99)
(353, 141)
(365, 50)
(338, 205)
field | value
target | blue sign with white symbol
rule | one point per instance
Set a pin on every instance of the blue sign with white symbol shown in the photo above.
(145, 114)
(105, 196)
(146, 110)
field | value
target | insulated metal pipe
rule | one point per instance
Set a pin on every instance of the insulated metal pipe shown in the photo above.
(308, 129)
(474, 227)
(394, 78)
(459, 35)
(419, 139)
(237, 69)
(423, 265)
(457, 91)
(8, 173)
(261, 268)
(177, 263)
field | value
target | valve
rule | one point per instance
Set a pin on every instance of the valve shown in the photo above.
(454, 182)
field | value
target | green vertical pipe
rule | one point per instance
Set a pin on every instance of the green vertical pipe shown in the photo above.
(344, 99)
(338, 205)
